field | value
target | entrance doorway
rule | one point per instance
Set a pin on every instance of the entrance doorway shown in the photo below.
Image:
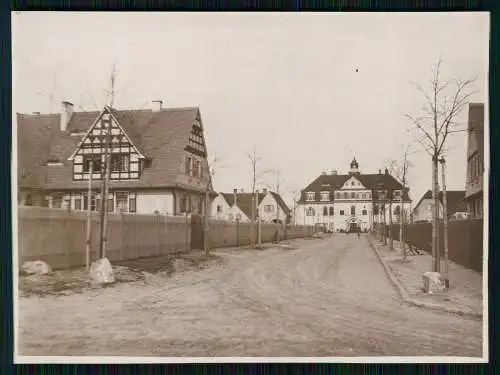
(354, 228)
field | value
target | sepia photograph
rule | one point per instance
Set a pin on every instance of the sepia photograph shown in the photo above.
(250, 186)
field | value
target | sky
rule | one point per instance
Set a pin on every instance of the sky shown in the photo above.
(306, 91)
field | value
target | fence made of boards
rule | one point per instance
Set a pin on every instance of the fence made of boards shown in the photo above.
(465, 240)
(58, 237)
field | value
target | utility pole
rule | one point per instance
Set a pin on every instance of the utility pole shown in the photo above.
(445, 225)
(259, 222)
(252, 225)
(89, 216)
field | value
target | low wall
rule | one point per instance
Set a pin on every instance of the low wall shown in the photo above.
(58, 237)
(465, 240)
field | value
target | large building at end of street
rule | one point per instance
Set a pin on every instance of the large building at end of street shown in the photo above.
(339, 202)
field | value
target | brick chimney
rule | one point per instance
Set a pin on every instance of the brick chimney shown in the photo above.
(235, 196)
(66, 113)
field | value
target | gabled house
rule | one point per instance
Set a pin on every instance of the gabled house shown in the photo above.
(158, 160)
(344, 202)
(474, 191)
(455, 204)
(270, 207)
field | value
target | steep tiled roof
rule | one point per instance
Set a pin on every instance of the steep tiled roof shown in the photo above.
(454, 200)
(159, 135)
(332, 182)
(281, 202)
(244, 201)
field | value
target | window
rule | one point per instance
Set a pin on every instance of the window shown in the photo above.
(188, 165)
(201, 169)
(121, 201)
(342, 212)
(337, 195)
(268, 208)
(196, 167)
(397, 194)
(93, 202)
(353, 195)
(331, 211)
(238, 216)
(183, 202)
(120, 162)
(352, 183)
(57, 200)
(364, 212)
(310, 195)
(310, 211)
(353, 210)
(375, 210)
(132, 202)
(397, 210)
(346, 195)
(78, 202)
(325, 196)
(95, 160)
(219, 208)
(325, 211)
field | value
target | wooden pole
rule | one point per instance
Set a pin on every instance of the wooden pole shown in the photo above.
(259, 222)
(106, 189)
(206, 229)
(89, 217)
(445, 224)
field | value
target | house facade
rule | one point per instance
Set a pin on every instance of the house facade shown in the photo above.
(157, 160)
(456, 206)
(475, 161)
(237, 206)
(340, 202)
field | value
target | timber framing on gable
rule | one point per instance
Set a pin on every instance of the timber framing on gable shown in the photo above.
(90, 154)
(196, 143)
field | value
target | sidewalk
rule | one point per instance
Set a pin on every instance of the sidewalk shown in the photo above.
(464, 296)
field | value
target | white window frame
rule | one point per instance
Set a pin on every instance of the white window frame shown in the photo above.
(310, 196)
(325, 196)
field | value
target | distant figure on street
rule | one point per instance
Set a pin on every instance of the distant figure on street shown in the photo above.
(358, 233)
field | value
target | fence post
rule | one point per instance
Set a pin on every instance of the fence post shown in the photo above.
(123, 255)
(237, 233)
(158, 233)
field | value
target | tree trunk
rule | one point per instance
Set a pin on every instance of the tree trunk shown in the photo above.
(391, 240)
(401, 225)
(435, 221)
(385, 226)
(445, 226)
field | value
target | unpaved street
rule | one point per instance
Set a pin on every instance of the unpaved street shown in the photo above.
(329, 297)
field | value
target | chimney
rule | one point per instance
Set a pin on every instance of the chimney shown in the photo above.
(264, 191)
(386, 171)
(66, 113)
(158, 105)
(379, 171)
(334, 171)
(323, 173)
(235, 196)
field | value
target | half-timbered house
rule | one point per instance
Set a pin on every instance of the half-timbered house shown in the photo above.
(158, 160)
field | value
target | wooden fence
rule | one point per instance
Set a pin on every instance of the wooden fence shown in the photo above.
(465, 240)
(58, 237)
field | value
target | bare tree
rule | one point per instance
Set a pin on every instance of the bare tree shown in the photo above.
(276, 185)
(444, 101)
(399, 169)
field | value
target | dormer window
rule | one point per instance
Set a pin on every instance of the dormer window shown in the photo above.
(310, 195)
(325, 196)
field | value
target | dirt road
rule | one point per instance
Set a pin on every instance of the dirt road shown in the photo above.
(327, 298)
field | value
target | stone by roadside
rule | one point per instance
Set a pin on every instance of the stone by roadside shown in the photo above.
(464, 296)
